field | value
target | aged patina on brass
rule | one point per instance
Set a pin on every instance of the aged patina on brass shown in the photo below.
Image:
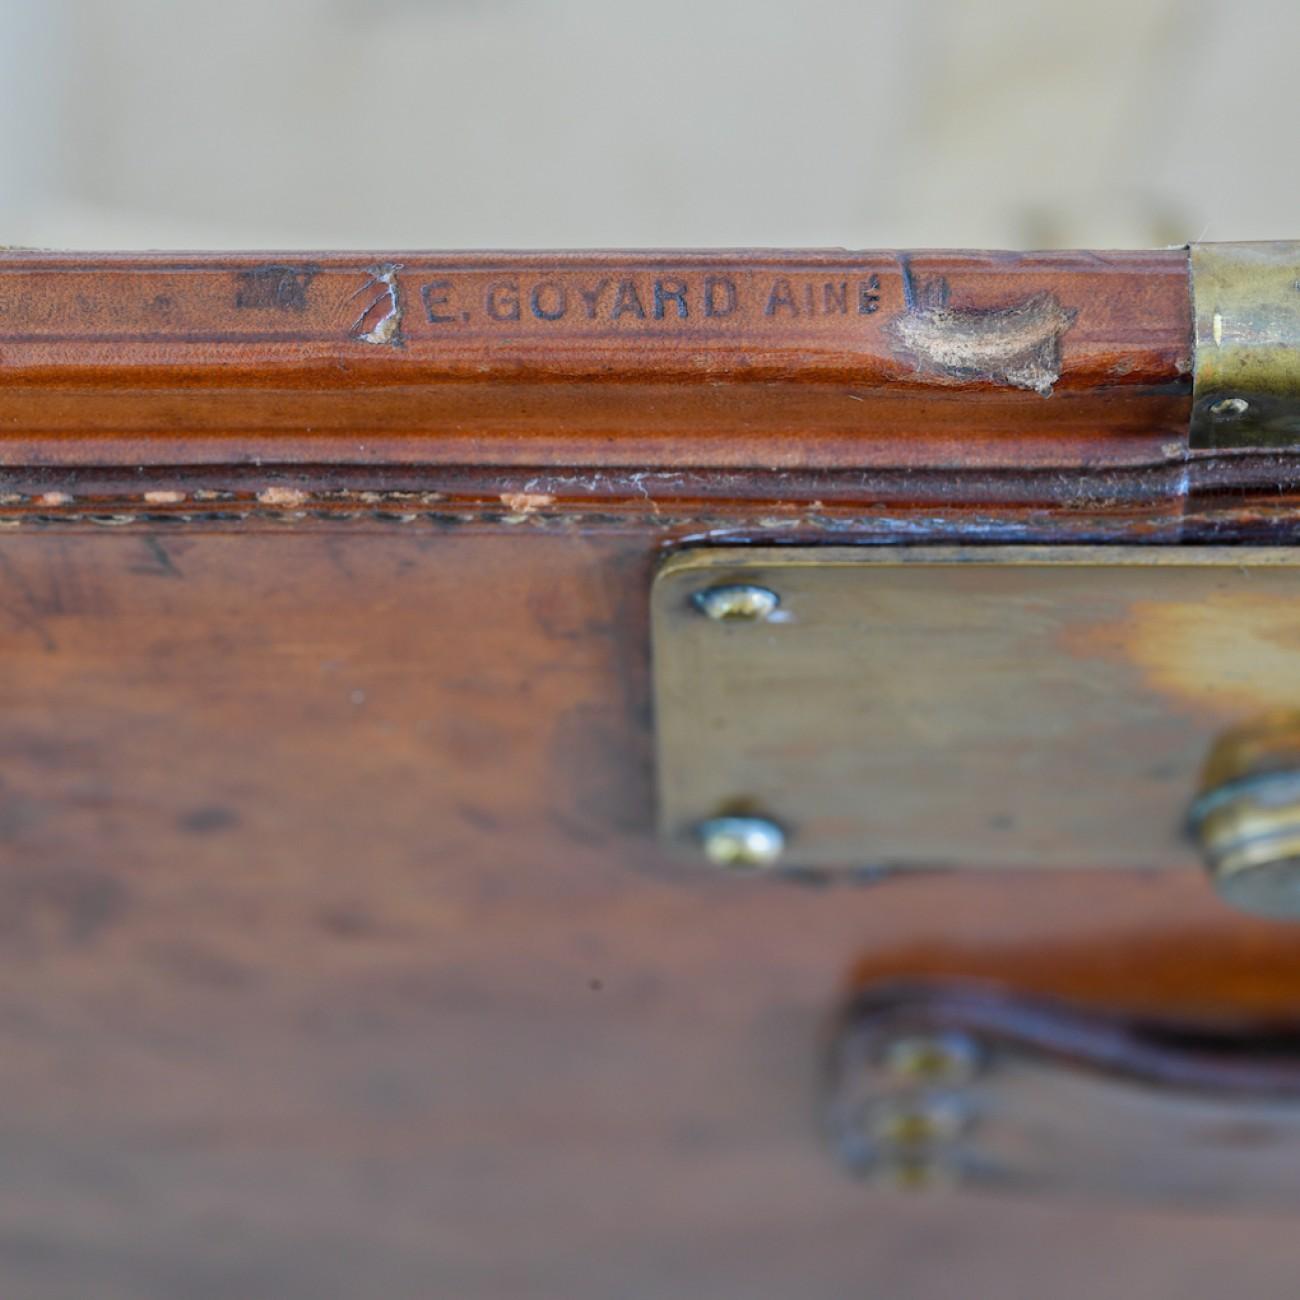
(979, 707)
(1246, 303)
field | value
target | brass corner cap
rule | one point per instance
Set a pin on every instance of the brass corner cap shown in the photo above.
(1246, 374)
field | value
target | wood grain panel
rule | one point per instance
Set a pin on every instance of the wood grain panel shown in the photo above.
(336, 957)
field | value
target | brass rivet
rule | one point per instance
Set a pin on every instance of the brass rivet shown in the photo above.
(741, 601)
(921, 1123)
(1229, 408)
(1246, 817)
(913, 1172)
(1249, 834)
(933, 1058)
(747, 843)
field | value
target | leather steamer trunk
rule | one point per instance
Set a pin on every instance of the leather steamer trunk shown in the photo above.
(344, 946)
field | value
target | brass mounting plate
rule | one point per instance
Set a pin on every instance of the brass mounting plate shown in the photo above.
(990, 707)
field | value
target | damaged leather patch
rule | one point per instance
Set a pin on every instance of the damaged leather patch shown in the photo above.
(1018, 346)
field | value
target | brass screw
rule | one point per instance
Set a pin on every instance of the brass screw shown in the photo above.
(910, 1172)
(745, 843)
(920, 1123)
(917, 1141)
(946, 1058)
(1229, 408)
(741, 602)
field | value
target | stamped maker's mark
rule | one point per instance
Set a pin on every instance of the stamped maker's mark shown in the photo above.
(275, 287)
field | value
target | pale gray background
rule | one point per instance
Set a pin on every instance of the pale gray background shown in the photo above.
(570, 123)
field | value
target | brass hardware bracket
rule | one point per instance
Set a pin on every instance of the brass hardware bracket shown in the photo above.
(1050, 707)
(939, 1083)
(1246, 380)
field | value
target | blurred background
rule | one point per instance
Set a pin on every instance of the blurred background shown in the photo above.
(571, 123)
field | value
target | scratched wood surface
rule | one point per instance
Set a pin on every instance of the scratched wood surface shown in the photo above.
(336, 954)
